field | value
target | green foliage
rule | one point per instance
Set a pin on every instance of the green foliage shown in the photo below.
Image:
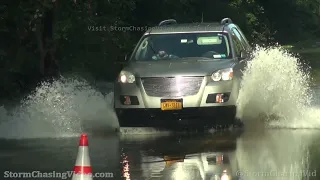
(85, 43)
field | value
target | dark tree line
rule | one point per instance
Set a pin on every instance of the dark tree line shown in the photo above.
(42, 38)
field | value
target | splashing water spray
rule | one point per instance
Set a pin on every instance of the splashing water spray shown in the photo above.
(66, 107)
(274, 86)
(276, 90)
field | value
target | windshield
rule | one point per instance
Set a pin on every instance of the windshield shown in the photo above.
(214, 45)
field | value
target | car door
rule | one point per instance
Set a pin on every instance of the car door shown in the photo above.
(242, 39)
(238, 48)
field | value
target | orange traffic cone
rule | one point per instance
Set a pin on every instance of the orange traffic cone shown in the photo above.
(82, 169)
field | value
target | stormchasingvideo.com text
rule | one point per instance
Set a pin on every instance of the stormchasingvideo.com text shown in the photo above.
(302, 173)
(52, 174)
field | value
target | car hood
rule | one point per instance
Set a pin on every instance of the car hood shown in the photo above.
(178, 68)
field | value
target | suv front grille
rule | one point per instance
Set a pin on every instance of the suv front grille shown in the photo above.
(172, 86)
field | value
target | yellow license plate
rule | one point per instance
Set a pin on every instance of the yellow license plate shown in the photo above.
(171, 105)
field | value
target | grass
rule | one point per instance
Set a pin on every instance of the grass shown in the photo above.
(313, 50)
(309, 53)
(315, 73)
(304, 47)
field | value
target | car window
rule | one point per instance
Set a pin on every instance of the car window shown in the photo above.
(237, 45)
(242, 39)
(179, 46)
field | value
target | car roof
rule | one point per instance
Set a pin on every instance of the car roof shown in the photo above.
(188, 27)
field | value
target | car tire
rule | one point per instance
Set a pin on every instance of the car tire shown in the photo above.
(120, 116)
(238, 123)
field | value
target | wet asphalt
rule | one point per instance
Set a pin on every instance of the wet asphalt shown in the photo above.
(252, 153)
(247, 154)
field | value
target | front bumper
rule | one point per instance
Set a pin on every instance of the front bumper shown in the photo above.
(205, 97)
(198, 109)
(207, 117)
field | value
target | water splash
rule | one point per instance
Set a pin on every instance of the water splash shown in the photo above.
(65, 107)
(274, 85)
(276, 154)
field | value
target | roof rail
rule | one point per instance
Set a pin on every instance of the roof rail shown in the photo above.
(167, 22)
(225, 21)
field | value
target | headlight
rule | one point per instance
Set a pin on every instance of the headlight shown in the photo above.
(225, 176)
(126, 77)
(223, 74)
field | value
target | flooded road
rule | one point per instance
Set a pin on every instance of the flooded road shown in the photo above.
(266, 154)
(280, 139)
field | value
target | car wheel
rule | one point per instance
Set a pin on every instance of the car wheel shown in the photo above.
(120, 116)
(238, 123)
(118, 112)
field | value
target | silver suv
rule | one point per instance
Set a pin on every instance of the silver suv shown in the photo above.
(183, 75)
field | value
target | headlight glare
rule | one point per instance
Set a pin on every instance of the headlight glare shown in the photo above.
(216, 76)
(123, 78)
(223, 74)
(126, 77)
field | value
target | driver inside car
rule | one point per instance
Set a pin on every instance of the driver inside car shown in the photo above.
(161, 52)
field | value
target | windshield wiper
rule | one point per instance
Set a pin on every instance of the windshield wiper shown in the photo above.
(198, 58)
(154, 52)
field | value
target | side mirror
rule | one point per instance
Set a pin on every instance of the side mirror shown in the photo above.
(243, 55)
